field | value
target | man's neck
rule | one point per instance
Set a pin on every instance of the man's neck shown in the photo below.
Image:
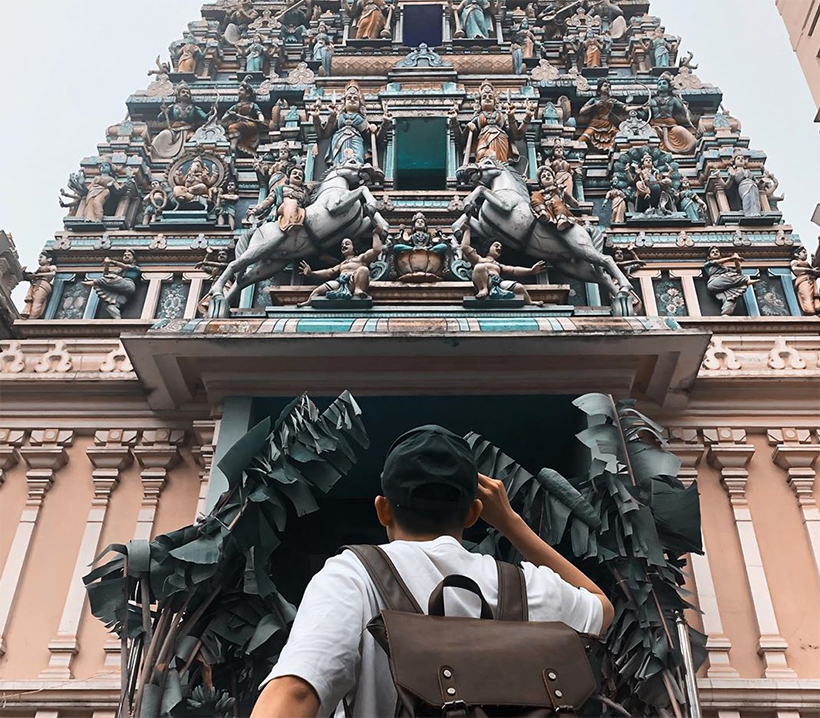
(401, 535)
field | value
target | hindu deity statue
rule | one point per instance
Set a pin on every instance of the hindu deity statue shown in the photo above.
(197, 183)
(255, 56)
(371, 18)
(244, 121)
(272, 169)
(287, 203)
(593, 45)
(489, 274)
(725, 280)
(661, 47)
(348, 128)
(350, 279)
(39, 291)
(420, 253)
(322, 49)
(117, 283)
(747, 188)
(550, 202)
(474, 17)
(524, 45)
(187, 55)
(691, 203)
(182, 118)
(670, 118)
(805, 281)
(154, 202)
(225, 200)
(492, 131)
(99, 191)
(612, 18)
(602, 115)
(653, 187)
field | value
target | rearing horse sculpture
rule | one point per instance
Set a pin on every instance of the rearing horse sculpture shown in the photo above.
(342, 206)
(505, 215)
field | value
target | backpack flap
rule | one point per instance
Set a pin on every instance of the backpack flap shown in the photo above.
(443, 660)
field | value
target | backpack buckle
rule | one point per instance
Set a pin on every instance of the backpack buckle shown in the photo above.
(454, 708)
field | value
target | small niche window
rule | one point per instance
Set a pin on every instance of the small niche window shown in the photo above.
(421, 153)
(421, 24)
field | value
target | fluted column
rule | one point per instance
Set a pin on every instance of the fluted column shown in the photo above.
(109, 455)
(797, 456)
(730, 453)
(205, 432)
(156, 454)
(44, 456)
(686, 446)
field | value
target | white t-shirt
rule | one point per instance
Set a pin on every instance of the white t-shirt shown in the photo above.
(331, 650)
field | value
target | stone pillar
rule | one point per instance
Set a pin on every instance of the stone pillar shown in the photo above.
(205, 432)
(10, 442)
(729, 452)
(109, 456)
(156, 454)
(797, 456)
(44, 456)
(686, 446)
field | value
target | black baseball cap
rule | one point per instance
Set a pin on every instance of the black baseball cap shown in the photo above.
(429, 455)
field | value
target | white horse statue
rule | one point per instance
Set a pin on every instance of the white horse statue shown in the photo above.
(342, 206)
(505, 215)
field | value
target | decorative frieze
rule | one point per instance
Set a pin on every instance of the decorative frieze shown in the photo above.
(762, 355)
(10, 442)
(34, 359)
(109, 455)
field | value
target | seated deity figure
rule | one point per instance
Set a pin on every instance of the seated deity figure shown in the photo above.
(181, 119)
(118, 282)
(348, 128)
(670, 118)
(492, 131)
(489, 273)
(612, 18)
(348, 279)
(725, 280)
(602, 116)
(475, 18)
(805, 281)
(244, 121)
(549, 203)
(371, 20)
(420, 252)
(197, 183)
(39, 291)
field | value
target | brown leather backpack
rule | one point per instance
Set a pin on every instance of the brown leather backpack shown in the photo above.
(502, 665)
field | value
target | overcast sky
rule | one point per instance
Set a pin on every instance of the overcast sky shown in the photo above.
(70, 64)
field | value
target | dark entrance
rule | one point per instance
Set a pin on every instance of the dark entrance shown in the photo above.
(537, 431)
(421, 153)
(421, 24)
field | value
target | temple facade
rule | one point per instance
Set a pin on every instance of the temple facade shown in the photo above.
(466, 213)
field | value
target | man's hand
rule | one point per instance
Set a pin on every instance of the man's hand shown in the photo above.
(497, 510)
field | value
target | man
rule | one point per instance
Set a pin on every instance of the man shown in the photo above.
(432, 492)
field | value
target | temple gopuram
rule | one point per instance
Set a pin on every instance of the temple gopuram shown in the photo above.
(468, 213)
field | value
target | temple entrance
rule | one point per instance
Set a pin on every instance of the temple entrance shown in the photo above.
(537, 431)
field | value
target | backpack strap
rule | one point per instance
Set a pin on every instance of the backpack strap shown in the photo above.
(512, 593)
(385, 576)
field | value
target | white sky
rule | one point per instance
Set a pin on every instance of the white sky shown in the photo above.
(70, 65)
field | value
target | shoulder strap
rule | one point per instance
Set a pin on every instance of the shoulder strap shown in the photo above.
(389, 583)
(512, 593)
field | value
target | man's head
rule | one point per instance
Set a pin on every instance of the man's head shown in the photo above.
(429, 486)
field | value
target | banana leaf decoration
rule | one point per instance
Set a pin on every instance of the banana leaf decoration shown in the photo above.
(199, 618)
(628, 521)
